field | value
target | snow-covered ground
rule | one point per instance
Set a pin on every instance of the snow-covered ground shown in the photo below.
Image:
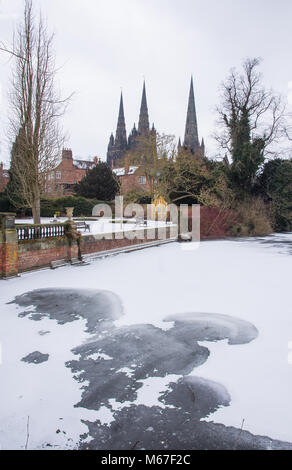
(246, 279)
(104, 225)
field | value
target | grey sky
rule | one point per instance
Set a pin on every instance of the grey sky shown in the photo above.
(104, 45)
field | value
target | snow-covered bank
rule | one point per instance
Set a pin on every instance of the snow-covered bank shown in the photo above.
(247, 279)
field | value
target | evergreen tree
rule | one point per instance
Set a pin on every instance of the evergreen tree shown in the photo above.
(99, 183)
(13, 189)
(275, 185)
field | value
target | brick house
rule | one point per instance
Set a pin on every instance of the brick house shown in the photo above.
(4, 177)
(61, 180)
(132, 178)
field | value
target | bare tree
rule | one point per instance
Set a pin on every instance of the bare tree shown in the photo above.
(35, 109)
(251, 123)
(151, 152)
(288, 129)
(192, 179)
(248, 108)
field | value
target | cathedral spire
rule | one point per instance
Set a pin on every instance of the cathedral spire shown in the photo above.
(121, 134)
(191, 133)
(118, 146)
(143, 127)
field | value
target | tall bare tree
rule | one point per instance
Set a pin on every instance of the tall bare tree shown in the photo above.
(246, 103)
(35, 109)
(251, 122)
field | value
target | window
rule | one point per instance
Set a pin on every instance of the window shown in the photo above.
(142, 179)
(58, 175)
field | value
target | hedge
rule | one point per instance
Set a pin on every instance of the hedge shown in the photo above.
(49, 206)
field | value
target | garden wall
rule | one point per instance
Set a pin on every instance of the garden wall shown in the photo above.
(35, 254)
(214, 222)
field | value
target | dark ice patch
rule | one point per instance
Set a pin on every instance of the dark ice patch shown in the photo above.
(197, 396)
(35, 357)
(99, 308)
(212, 327)
(178, 426)
(148, 351)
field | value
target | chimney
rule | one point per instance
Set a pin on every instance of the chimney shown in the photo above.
(67, 154)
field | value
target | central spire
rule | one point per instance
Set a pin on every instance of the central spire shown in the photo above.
(191, 133)
(143, 127)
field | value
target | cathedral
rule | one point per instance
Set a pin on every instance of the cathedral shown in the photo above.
(120, 144)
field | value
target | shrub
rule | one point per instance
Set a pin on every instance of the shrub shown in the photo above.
(253, 219)
(82, 206)
(137, 197)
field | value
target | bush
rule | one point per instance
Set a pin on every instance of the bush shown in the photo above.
(137, 197)
(82, 206)
(253, 219)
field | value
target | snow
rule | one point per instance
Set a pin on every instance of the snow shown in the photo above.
(47, 392)
(44, 220)
(121, 171)
(106, 225)
(99, 355)
(148, 395)
(249, 279)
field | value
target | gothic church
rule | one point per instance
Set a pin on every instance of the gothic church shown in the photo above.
(120, 144)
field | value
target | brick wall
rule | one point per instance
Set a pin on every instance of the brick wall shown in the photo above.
(91, 245)
(214, 222)
(34, 254)
(132, 183)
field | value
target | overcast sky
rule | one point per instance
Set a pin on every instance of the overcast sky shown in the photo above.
(106, 45)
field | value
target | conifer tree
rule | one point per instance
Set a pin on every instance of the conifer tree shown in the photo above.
(99, 183)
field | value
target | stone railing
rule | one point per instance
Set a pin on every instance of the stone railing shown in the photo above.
(38, 232)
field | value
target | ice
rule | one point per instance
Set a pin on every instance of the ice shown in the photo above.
(247, 279)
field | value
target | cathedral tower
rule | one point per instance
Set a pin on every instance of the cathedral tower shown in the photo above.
(191, 140)
(118, 146)
(143, 125)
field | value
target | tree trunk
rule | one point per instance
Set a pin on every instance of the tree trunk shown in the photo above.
(36, 208)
